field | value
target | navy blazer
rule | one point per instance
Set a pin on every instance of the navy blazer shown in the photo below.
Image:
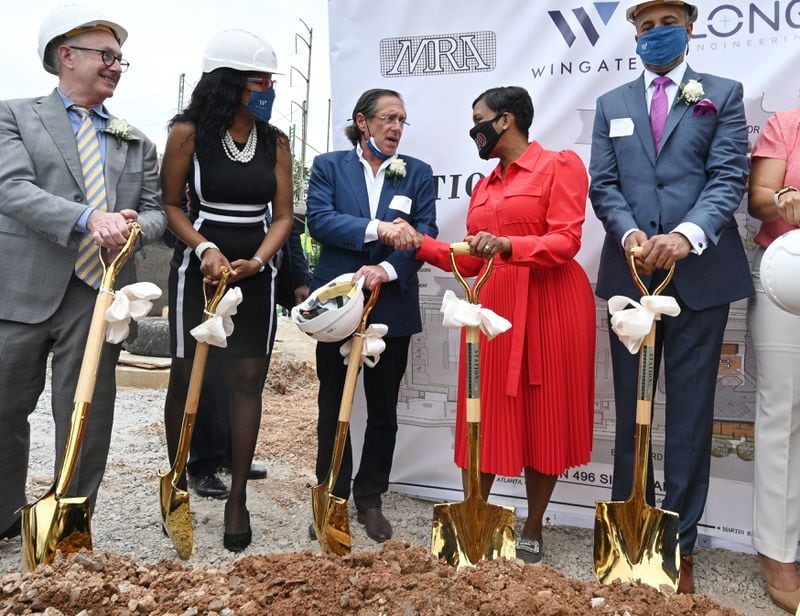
(698, 176)
(338, 214)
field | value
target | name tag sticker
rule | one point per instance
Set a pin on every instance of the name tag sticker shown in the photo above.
(620, 127)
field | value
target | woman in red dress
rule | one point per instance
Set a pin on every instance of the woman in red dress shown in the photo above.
(537, 379)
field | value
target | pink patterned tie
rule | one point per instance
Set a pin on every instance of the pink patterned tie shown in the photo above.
(658, 109)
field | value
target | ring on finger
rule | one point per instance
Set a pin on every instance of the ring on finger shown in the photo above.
(487, 248)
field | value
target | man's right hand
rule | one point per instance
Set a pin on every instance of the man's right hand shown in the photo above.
(634, 239)
(110, 229)
(399, 234)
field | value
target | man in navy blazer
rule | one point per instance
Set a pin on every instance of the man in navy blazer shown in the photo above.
(353, 198)
(668, 170)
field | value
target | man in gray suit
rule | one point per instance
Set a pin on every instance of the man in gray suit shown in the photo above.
(668, 169)
(45, 213)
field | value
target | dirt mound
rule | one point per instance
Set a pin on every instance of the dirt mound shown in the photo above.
(397, 580)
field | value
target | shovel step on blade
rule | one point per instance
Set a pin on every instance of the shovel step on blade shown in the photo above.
(636, 544)
(52, 524)
(465, 533)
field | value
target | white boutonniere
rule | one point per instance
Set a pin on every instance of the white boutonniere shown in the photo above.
(396, 169)
(120, 130)
(691, 92)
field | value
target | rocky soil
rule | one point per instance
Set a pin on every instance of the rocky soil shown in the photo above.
(134, 569)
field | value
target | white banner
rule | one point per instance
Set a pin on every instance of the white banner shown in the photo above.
(440, 55)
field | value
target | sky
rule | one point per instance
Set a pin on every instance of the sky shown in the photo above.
(167, 38)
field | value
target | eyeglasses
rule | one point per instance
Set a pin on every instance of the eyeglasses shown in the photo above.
(391, 120)
(107, 57)
(265, 83)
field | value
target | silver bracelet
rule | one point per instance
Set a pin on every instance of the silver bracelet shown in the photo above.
(261, 263)
(202, 247)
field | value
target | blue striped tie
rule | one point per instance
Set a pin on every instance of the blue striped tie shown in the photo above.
(87, 266)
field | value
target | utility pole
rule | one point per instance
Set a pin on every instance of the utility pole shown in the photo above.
(328, 132)
(307, 78)
(181, 82)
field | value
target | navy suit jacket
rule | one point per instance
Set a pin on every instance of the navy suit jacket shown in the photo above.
(338, 214)
(698, 176)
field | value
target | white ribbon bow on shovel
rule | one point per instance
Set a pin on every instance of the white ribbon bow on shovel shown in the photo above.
(373, 345)
(132, 301)
(460, 313)
(633, 324)
(215, 331)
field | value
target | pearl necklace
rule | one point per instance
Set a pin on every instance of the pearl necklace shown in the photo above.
(234, 153)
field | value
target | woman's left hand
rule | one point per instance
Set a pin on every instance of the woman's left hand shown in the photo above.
(243, 268)
(484, 244)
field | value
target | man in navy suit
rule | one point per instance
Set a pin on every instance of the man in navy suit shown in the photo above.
(668, 169)
(353, 198)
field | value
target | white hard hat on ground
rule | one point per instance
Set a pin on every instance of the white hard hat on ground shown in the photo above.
(638, 5)
(333, 311)
(70, 20)
(240, 50)
(779, 266)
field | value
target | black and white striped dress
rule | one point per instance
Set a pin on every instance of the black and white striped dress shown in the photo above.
(229, 205)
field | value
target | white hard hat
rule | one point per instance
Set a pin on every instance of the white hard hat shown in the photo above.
(70, 20)
(638, 5)
(779, 267)
(240, 50)
(332, 312)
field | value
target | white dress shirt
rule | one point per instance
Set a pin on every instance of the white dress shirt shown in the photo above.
(374, 184)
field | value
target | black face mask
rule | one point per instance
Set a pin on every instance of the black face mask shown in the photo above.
(485, 136)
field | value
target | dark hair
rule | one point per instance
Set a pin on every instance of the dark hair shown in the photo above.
(367, 104)
(512, 99)
(215, 100)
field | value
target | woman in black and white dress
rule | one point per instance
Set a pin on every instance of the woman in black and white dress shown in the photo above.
(234, 164)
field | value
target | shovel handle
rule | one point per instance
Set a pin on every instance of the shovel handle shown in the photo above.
(197, 376)
(462, 248)
(635, 252)
(354, 358)
(90, 364)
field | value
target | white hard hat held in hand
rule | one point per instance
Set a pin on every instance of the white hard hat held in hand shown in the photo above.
(333, 311)
(779, 267)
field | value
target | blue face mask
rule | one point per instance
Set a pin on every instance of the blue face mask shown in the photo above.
(662, 46)
(373, 147)
(260, 104)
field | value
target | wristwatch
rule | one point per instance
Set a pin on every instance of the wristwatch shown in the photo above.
(202, 247)
(261, 263)
(781, 192)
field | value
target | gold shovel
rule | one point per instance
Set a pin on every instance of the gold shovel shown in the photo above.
(634, 541)
(55, 522)
(330, 512)
(467, 532)
(176, 515)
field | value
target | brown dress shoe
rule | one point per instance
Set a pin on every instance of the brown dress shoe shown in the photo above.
(787, 601)
(686, 578)
(377, 527)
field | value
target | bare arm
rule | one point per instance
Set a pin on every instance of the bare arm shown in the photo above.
(766, 177)
(282, 209)
(174, 171)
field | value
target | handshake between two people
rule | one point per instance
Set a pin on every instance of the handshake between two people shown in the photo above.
(400, 235)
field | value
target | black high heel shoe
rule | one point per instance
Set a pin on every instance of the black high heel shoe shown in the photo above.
(236, 542)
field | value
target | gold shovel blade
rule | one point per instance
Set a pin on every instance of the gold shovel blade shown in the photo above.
(176, 515)
(331, 521)
(465, 533)
(52, 524)
(635, 542)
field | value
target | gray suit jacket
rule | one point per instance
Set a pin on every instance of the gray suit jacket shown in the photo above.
(42, 196)
(698, 176)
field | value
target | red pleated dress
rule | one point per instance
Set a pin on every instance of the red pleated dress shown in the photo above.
(537, 379)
